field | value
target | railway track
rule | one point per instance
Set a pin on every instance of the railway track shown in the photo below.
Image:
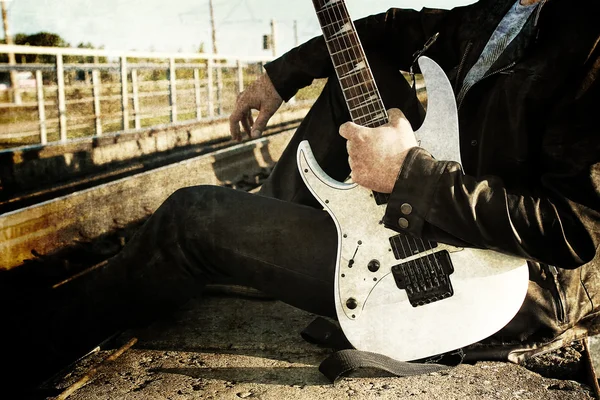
(40, 223)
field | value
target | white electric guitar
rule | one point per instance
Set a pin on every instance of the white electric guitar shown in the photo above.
(395, 294)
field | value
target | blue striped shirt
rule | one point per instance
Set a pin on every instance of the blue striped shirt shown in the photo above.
(507, 30)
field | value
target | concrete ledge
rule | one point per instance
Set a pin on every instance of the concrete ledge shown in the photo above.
(87, 214)
(34, 167)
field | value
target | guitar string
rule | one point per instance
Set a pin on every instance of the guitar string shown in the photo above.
(328, 39)
(363, 71)
(361, 50)
(431, 271)
(347, 37)
(351, 49)
(410, 269)
(345, 43)
(381, 101)
(352, 45)
(423, 268)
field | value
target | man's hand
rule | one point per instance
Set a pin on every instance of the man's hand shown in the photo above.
(260, 95)
(376, 154)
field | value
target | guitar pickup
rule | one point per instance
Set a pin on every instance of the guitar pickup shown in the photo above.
(425, 279)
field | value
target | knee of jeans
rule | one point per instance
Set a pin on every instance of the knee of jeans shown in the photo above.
(188, 199)
(188, 212)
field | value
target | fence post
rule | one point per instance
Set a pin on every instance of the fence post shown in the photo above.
(62, 107)
(41, 108)
(173, 89)
(240, 71)
(124, 93)
(136, 99)
(211, 99)
(197, 90)
(219, 90)
(97, 92)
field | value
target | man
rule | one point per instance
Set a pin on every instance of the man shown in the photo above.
(529, 142)
(530, 147)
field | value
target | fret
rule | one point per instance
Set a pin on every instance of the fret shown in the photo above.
(356, 101)
(363, 97)
(327, 6)
(377, 123)
(346, 56)
(349, 61)
(359, 68)
(375, 113)
(350, 81)
(353, 62)
(373, 121)
(371, 117)
(354, 75)
(370, 102)
(364, 108)
(340, 40)
(344, 69)
(344, 50)
(355, 86)
(338, 26)
(326, 20)
(338, 30)
(372, 114)
(332, 12)
(354, 90)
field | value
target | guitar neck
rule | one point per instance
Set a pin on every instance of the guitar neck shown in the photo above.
(351, 66)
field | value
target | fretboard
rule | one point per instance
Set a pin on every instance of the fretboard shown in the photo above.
(350, 63)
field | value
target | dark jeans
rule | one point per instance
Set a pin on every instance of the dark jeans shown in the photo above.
(280, 241)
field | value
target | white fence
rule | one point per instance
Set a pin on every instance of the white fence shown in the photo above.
(66, 93)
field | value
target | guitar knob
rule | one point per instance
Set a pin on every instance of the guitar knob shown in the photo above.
(374, 266)
(351, 303)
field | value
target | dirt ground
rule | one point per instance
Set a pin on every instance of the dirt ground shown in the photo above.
(230, 348)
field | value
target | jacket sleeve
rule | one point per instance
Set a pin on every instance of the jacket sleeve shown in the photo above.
(555, 221)
(398, 34)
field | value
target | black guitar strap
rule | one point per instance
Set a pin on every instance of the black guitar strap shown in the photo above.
(347, 360)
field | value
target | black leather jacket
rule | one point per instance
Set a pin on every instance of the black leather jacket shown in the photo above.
(530, 137)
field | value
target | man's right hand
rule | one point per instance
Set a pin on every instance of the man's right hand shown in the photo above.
(260, 95)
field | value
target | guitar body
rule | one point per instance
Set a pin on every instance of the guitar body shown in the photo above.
(395, 294)
(374, 313)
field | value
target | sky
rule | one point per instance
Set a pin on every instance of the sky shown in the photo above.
(182, 25)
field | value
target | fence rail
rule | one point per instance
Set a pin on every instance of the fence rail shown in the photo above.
(70, 93)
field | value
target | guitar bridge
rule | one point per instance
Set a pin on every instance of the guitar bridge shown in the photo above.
(425, 279)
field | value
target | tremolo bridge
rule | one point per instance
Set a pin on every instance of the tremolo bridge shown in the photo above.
(425, 279)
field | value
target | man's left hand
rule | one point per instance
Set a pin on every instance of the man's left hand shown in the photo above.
(376, 154)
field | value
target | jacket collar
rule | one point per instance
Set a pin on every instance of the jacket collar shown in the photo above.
(488, 16)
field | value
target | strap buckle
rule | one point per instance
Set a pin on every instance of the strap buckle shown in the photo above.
(419, 53)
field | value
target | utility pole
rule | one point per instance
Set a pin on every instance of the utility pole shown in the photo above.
(296, 33)
(14, 83)
(273, 38)
(212, 24)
